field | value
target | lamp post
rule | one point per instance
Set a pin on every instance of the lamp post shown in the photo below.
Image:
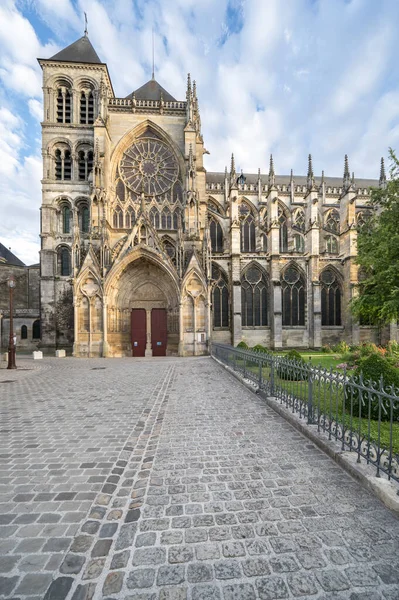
(12, 339)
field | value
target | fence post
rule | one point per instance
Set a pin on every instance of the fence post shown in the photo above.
(310, 399)
(245, 366)
(272, 376)
(260, 372)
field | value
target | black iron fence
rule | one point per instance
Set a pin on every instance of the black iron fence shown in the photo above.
(362, 416)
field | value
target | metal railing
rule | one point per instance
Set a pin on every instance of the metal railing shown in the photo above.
(362, 415)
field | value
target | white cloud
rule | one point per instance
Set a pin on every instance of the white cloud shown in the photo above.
(283, 77)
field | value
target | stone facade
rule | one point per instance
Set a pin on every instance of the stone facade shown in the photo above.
(26, 297)
(131, 220)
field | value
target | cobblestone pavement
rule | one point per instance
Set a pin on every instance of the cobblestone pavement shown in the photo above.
(166, 479)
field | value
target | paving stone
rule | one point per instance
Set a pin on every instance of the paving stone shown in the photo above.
(207, 552)
(140, 578)
(149, 556)
(239, 591)
(232, 549)
(126, 536)
(7, 584)
(59, 589)
(227, 569)
(84, 592)
(113, 583)
(34, 583)
(206, 592)
(108, 530)
(271, 588)
(73, 563)
(254, 567)
(34, 562)
(56, 545)
(173, 593)
(197, 572)
(81, 543)
(145, 539)
(302, 584)
(387, 572)
(332, 580)
(171, 537)
(180, 554)
(192, 536)
(170, 575)
(7, 563)
(283, 564)
(94, 568)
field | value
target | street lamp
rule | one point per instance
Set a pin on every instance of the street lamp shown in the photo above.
(12, 339)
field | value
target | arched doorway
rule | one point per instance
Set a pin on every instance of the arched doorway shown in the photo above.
(143, 311)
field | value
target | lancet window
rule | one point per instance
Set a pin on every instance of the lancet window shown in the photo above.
(220, 298)
(118, 218)
(24, 332)
(83, 217)
(85, 164)
(64, 261)
(331, 293)
(299, 243)
(64, 104)
(216, 235)
(130, 218)
(248, 241)
(332, 246)
(86, 107)
(283, 234)
(36, 330)
(254, 297)
(299, 220)
(63, 164)
(65, 219)
(155, 217)
(293, 297)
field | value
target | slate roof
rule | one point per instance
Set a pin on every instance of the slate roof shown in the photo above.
(252, 178)
(80, 51)
(6, 256)
(152, 91)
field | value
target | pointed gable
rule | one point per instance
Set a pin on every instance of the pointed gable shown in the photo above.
(81, 51)
(6, 256)
(152, 90)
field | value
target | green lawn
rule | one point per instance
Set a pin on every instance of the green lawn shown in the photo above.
(321, 359)
(328, 399)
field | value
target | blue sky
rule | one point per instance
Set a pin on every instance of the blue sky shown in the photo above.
(291, 77)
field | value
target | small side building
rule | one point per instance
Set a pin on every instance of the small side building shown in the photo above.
(26, 297)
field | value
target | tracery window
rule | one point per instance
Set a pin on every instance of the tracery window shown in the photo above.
(87, 107)
(216, 235)
(64, 104)
(332, 246)
(220, 298)
(330, 298)
(248, 241)
(118, 218)
(254, 297)
(130, 218)
(85, 164)
(166, 219)
(293, 297)
(299, 220)
(170, 250)
(155, 218)
(64, 261)
(283, 234)
(120, 190)
(299, 243)
(176, 218)
(24, 332)
(363, 217)
(332, 221)
(63, 164)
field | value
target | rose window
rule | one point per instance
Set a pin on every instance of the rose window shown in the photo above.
(149, 166)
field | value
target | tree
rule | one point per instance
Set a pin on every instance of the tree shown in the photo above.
(378, 255)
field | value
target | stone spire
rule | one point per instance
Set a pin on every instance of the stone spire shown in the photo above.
(347, 177)
(310, 178)
(188, 92)
(272, 175)
(322, 188)
(233, 174)
(292, 186)
(383, 177)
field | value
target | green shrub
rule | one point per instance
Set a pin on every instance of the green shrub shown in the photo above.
(372, 368)
(393, 349)
(243, 345)
(260, 348)
(291, 372)
(341, 348)
(326, 349)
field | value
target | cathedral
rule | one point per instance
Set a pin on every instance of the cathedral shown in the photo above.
(145, 253)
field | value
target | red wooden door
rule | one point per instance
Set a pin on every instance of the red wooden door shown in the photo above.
(139, 331)
(158, 331)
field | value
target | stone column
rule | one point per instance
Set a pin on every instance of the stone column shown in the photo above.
(75, 327)
(236, 306)
(105, 330)
(181, 334)
(148, 349)
(315, 340)
(276, 325)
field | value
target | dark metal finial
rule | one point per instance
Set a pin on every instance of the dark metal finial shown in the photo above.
(86, 31)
